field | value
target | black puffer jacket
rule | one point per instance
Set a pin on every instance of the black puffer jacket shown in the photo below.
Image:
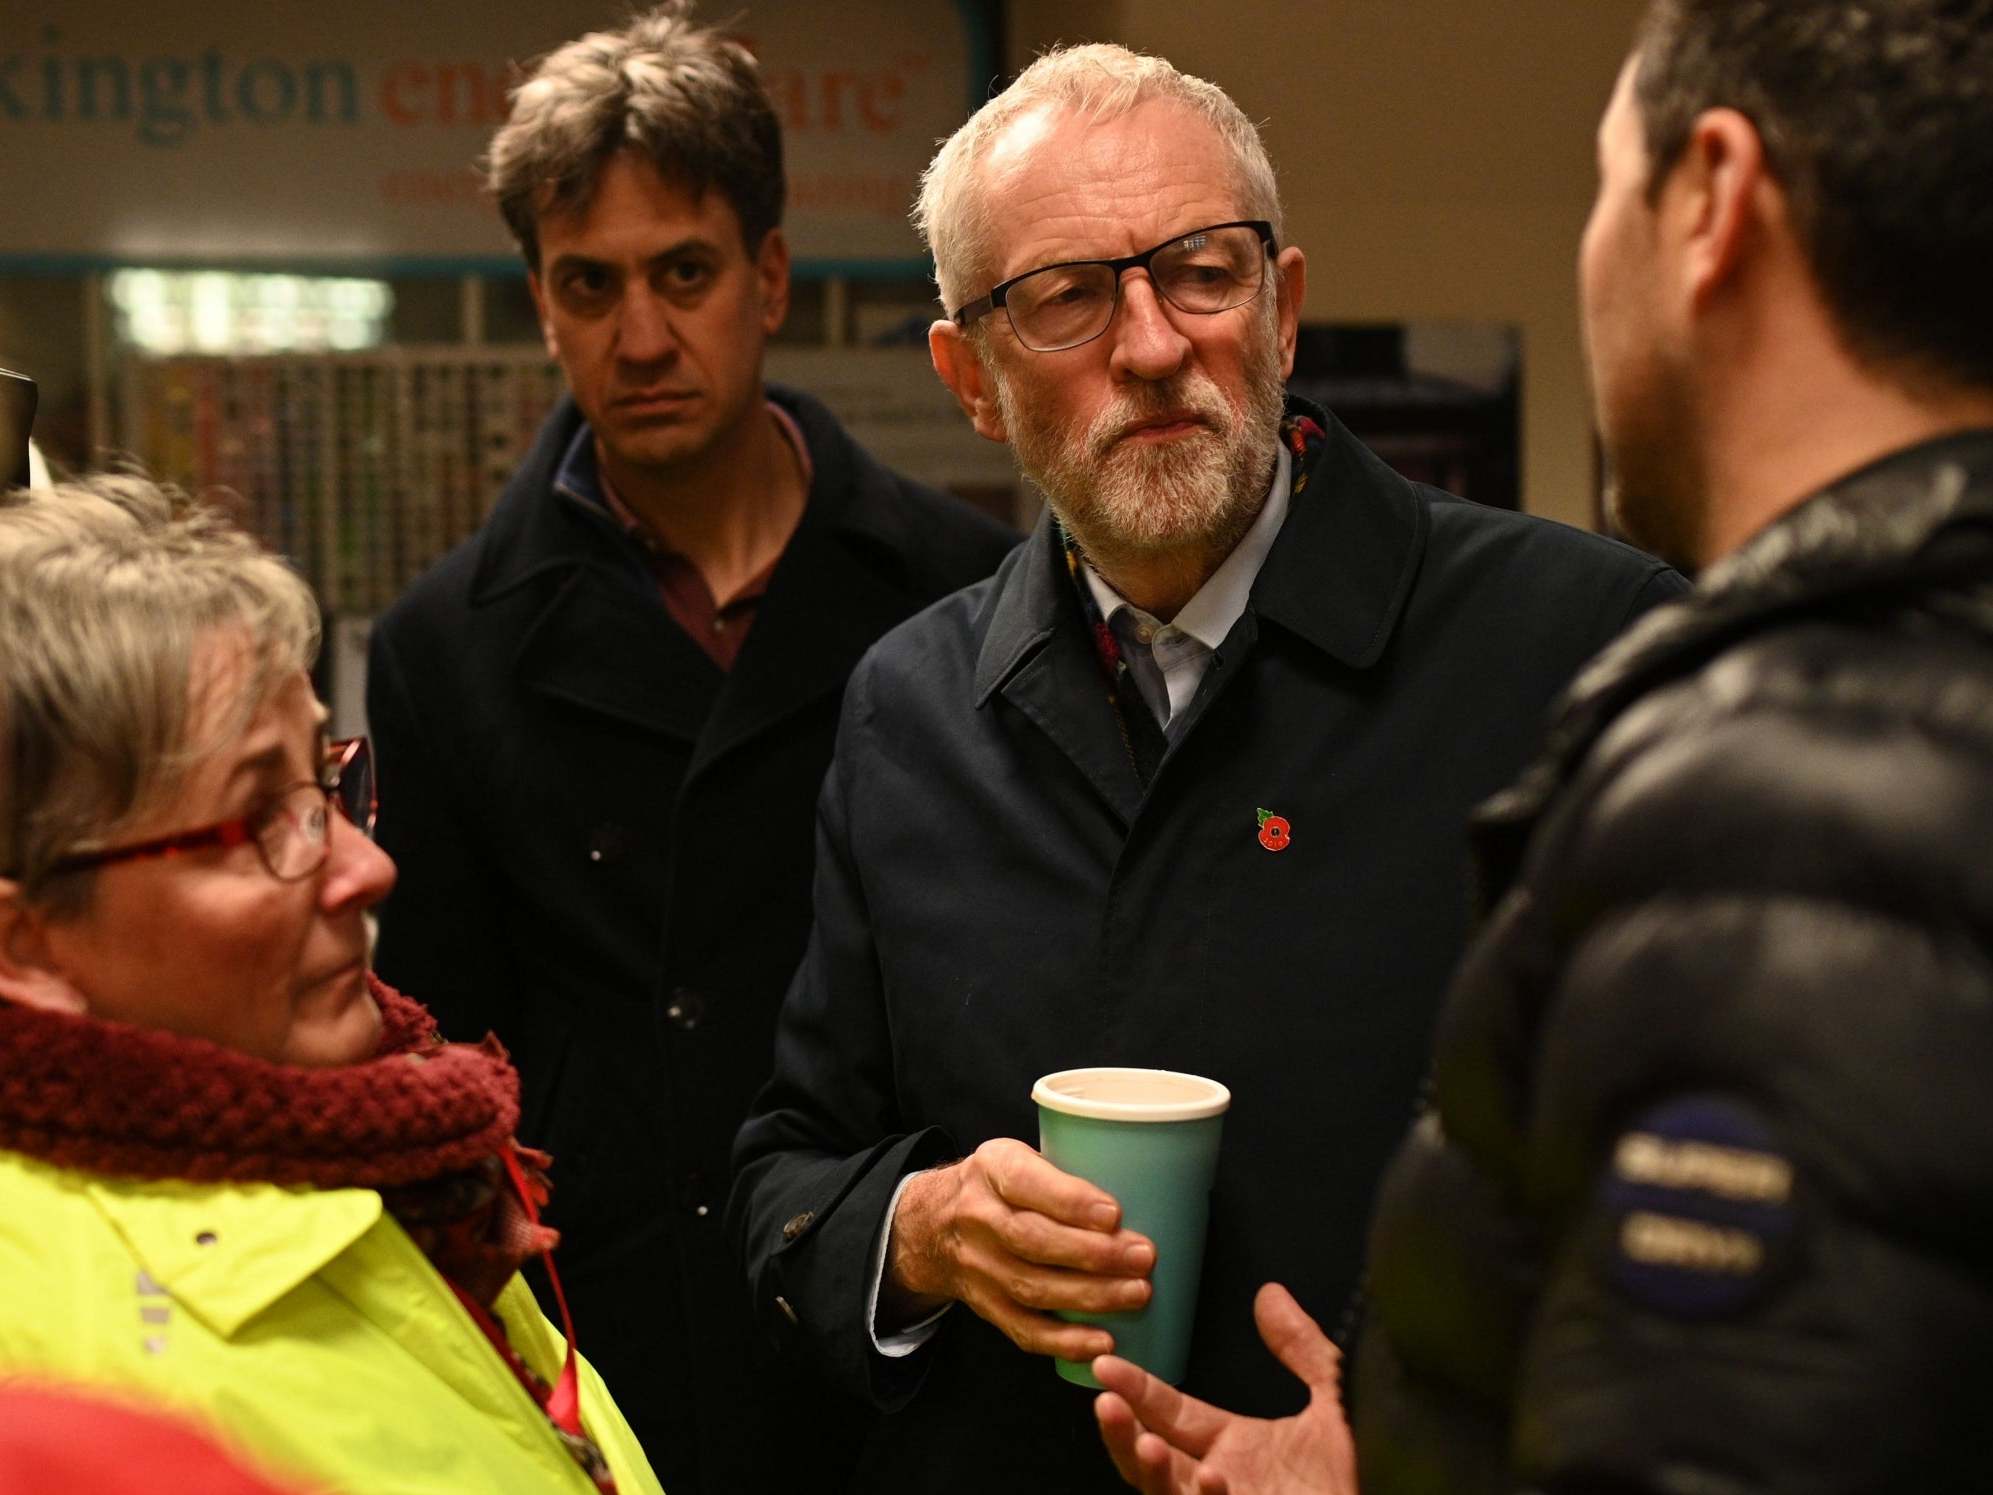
(1705, 1202)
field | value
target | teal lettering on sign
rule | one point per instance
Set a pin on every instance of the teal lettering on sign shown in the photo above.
(164, 99)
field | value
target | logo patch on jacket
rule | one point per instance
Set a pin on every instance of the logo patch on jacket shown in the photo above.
(1700, 1208)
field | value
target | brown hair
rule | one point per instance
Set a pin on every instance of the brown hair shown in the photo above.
(685, 97)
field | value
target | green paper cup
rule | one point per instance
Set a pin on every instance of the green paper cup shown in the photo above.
(1150, 1138)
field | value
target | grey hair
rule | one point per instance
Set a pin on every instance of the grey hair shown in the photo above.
(113, 594)
(1100, 81)
(686, 98)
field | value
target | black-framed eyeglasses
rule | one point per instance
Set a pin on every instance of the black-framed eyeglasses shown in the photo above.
(292, 830)
(1204, 271)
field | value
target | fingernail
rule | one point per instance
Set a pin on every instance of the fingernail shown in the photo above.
(1135, 1293)
(1101, 1216)
(1139, 1257)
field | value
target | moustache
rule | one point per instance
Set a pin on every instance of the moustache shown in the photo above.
(1194, 400)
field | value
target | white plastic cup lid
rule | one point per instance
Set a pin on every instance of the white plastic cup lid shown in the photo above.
(1118, 1093)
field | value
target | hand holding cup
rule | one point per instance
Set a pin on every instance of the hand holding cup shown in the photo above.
(1018, 1241)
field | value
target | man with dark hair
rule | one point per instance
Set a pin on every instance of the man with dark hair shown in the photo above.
(1703, 1199)
(602, 722)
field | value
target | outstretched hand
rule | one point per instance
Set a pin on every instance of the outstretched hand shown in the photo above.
(1166, 1443)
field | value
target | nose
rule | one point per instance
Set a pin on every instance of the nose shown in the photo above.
(644, 333)
(358, 874)
(1147, 344)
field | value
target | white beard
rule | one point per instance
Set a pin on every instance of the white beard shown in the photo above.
(1198, 493)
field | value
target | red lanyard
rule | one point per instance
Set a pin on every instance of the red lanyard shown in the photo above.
(563, 1403)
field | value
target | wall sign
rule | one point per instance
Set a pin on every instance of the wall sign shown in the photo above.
(344, 136)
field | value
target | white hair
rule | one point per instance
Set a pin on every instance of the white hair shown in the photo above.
(1100, 81)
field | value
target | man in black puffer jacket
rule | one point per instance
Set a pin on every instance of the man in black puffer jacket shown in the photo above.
(1704, 1202)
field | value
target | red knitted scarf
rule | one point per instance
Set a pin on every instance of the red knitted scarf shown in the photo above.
(111, 1098)
(423, 1121)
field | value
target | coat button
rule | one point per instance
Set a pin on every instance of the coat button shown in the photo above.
(692, 1193)
(797, 1224)
(609, 843)
(686, 1009)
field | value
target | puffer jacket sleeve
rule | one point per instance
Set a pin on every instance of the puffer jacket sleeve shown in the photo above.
(1758, 1138)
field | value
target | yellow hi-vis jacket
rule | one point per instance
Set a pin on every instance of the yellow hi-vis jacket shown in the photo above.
(301, 1326)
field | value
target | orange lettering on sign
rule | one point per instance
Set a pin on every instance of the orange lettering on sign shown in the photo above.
(835, 101)
(468, 94)
(393, 103)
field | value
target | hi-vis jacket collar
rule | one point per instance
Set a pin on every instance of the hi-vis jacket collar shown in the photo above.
(226, 1254)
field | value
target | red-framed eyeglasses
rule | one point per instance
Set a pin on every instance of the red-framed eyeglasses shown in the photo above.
(292, 830)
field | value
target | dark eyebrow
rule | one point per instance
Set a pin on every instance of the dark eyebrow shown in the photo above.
(686, 249)
(567, 262)
(695, 244)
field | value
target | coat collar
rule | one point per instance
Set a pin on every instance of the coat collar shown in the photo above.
(226, 1252)
(1343, 567)
(529, 532)
(602, 641)
(1893, 525)
(1337, 577)
(842, 582)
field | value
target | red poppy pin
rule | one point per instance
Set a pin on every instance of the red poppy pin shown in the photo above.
(1274, 831)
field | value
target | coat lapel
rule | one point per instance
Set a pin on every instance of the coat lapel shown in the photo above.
(1036, 653)
(601, 642)
(839, 585)
(830, 599)
(603, 647)
(1342, 569)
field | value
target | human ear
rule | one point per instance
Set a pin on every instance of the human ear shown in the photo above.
(1290, 283)
(29, 972)
(540, 311)
(960, 366)
(1719, 199)
(771, 270)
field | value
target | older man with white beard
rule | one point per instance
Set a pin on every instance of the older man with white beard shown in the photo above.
(1182, 786)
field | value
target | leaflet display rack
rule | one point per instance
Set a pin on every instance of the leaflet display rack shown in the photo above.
(361, 468)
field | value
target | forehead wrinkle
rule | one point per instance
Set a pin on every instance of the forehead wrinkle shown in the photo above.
(1087, 190)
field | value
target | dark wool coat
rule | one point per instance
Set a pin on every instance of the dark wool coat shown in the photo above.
(1706, 1199)
(997, 897)
(605, 847)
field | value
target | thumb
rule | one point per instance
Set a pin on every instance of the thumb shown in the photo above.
(1295, 1339)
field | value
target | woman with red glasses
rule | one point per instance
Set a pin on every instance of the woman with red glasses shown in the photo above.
(238, 1175)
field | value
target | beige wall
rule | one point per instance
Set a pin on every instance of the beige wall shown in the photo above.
(1435, 157)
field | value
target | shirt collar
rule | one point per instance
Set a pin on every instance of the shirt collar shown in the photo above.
(579, 475)
(575, 476)
(1212, 610)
